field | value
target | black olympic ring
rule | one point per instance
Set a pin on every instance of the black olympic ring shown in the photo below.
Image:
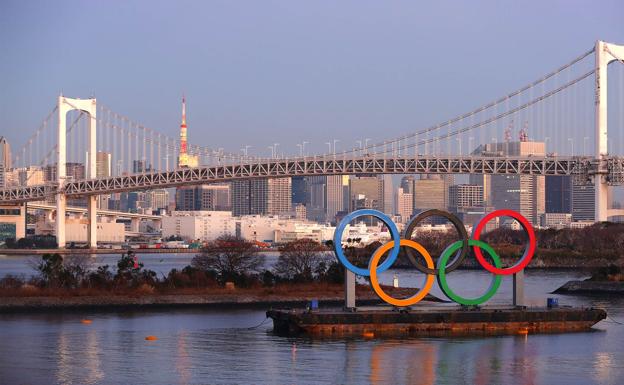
(461, 230)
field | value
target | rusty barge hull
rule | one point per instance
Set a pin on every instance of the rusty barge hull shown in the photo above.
(434, 322)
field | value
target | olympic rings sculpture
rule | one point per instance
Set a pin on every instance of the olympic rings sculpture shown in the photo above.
(457, 251)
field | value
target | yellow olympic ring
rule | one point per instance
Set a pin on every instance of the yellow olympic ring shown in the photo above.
(372, 268)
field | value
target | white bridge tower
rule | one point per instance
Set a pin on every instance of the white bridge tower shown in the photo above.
(88, 106)
(605, 54)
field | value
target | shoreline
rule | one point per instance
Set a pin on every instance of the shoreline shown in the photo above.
(591, 287)
(219, 299)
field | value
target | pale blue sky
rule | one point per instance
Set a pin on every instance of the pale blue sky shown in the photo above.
(258, 72)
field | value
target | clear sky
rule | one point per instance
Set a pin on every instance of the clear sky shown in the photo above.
(258, 72)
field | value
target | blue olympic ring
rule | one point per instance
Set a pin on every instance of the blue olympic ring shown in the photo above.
(394, 232)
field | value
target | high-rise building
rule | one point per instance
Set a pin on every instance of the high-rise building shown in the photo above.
(407, 184)
(404, 204)
(465, 196)
(430, 193)
(103, 164)
(184, 158)
(262, 196)
(299, 190)
(558, 194)
(386, 193)
(523, 193)
(334, 196)
(157, 199)
(583, 202)
(73, 170)
(365, 192)
(5, 159)
(212, 197)
(25, 176)
(139, 166)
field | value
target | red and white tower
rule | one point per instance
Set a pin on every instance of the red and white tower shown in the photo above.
(183, 137)
(184, 158)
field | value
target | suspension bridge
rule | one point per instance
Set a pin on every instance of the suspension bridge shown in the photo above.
(568, 110)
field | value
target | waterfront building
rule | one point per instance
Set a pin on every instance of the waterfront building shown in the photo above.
(556, 220)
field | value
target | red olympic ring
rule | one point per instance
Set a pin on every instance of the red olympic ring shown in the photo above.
(528, 252)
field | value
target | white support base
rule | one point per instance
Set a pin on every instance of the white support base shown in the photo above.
(61, 206)
(349, 289)
(92, 216)
(518, 288)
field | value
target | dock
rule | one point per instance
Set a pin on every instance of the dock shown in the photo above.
(433, 321)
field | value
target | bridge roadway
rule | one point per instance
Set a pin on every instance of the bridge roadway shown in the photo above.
(326, 165)
(103, 212)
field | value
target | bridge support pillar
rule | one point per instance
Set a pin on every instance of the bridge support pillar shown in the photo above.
(135, 225)
(605, 53)
(92, 216)
(61, 206)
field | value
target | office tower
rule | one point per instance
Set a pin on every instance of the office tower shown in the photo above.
(213, 197)
(386, 193)
(465, 196)
(334, 196)
(316, 198)
(365, 192)
(523, 193)
(583, 202)
(558, 194)
(139, 166)
(157, 199)
(103, 166)
(5, 160)
(404, 204)
(430, 193)
(73, 171)
(299, 190)
(261, 196)
(407, 184)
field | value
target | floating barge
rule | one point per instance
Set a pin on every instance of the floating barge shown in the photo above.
(433, 321)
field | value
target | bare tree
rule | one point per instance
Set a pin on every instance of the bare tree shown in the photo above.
(300, 259)
(229, 257)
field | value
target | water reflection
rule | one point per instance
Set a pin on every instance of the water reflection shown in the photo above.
(411, 363)
(77, 358)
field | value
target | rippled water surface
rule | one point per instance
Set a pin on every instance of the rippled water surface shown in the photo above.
(217, 346)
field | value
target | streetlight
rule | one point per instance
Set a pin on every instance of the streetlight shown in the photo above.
(275, 146)
(300, 149)
(335, 141)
